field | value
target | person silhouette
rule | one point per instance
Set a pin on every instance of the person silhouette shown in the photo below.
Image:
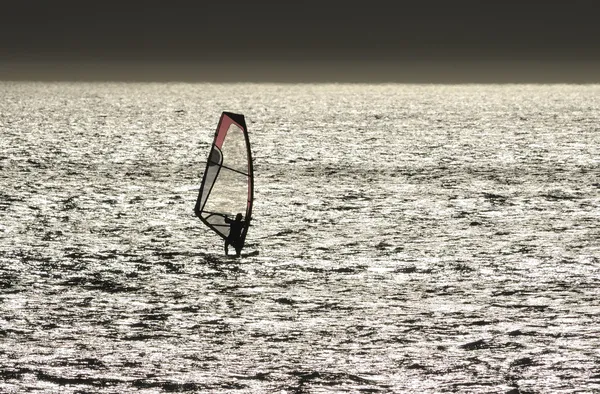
(235, 234)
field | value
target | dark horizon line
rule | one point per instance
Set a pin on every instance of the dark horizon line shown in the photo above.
(282, 71)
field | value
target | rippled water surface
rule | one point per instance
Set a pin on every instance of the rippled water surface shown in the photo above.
(412, 239)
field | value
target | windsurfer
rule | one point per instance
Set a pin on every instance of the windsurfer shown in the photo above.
(235, 234)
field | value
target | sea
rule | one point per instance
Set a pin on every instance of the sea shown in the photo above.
(405, 239)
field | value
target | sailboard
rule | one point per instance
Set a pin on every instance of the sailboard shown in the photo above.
(227, 186)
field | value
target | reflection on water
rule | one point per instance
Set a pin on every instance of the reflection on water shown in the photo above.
(411, 239)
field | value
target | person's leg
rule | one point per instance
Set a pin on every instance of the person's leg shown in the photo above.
(226, 247)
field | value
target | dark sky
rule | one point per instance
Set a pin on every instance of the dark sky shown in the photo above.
(419, 41)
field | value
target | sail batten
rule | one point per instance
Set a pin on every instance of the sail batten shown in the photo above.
(227, 186)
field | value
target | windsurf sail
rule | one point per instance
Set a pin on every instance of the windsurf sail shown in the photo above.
(227, 186)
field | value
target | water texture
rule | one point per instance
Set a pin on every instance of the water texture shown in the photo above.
(411, 239)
